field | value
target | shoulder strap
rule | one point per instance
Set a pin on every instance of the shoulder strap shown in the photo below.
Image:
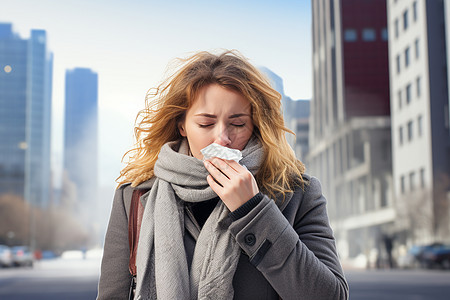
(134, 226)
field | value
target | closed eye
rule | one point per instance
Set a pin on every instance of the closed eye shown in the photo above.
(238, 125)
(204, 125)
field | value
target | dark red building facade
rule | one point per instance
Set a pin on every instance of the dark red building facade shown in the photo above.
(365, 58)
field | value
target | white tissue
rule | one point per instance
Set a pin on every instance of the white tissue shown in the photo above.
(216, 150)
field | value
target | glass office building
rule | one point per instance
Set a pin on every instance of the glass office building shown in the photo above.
(80, 134)
(25, 115)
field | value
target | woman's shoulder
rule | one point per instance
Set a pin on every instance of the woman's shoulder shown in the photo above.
(308, 186)
(146, 185)
(127, 187)
(305, 186)
(125, 190)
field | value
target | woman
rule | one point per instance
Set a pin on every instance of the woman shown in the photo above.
(219, 229)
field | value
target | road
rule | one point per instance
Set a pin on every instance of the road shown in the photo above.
(399, 284)
(68, 279)
(76, 279)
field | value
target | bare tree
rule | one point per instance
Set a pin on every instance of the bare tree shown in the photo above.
(424, 212)
(14, 220)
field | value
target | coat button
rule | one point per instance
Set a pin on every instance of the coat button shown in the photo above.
(250, 239)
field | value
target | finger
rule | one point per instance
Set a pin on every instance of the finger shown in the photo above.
(237, 166)
(215, 186)
(217, 174)
(224, 166)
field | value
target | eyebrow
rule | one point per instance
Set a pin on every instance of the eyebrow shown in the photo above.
(215, 117)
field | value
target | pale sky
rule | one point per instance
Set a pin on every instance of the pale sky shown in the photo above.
(130, 44)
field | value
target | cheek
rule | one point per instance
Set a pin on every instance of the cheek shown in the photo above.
(198, 139)
(242, 138)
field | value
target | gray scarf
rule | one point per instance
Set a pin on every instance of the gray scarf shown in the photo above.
(162, 268)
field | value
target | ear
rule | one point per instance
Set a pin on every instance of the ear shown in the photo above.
(181, 128)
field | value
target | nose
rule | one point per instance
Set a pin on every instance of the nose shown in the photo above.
(223, 137)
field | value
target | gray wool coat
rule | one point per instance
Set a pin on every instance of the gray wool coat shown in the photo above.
(288, 251)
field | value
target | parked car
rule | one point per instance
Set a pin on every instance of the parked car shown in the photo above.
(436, 255)
(5, 256)
(411, 259)
(22, 256)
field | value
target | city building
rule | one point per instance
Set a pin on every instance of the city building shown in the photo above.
(25, 115)
(299, 124)
(296, 116)
(349, 129)
(81, 137)
(419, 118)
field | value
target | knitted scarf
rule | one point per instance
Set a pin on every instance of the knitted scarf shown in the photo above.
(162, 268)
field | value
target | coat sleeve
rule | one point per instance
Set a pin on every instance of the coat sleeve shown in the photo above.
(298, 258)
(115, 277)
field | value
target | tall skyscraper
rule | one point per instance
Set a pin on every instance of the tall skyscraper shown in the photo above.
(350, 148)
(81, 135)
(25, 115)
(419, 113)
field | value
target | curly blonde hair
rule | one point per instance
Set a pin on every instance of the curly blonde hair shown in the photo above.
(166, 105)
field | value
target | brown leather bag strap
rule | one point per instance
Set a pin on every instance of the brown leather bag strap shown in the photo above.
(134, 226)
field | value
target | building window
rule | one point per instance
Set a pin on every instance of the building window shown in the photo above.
(412, 179)
(396, 28)
(422, 177)
(400, 135)
(398, 63)
(402, 184)
(384, 34)
(406, 57)
(369, 35)
(405, 20)
(418, 86)
(419, 125)
(350, 35)
(416, 47)
(399, 95)
(410, 131)
(414, 9)
(408, 93)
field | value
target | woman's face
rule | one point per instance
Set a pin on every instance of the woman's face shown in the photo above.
(218, 115)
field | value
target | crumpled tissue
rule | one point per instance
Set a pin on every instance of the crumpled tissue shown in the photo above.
(216, 150)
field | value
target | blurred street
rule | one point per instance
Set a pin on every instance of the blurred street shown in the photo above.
(76, 278)
(398, 284)
(69, 279)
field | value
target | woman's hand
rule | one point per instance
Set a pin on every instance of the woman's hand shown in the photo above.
(233, 183)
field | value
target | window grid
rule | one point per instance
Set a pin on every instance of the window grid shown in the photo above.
(410, 131)
(369, 34)
(408, 93)
(416, 47)
(350, 35)
(405, 20)
(384, 34)
(412, 179)
(418, 87)
(406, 57)
(402, 184)
(414, 9)
(422, 178)
(419, 125)
(396, 28)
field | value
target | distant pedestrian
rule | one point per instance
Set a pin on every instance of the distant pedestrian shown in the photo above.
(388, 244)
(216, 228)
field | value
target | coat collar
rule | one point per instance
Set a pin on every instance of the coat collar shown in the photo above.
(146, 185)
